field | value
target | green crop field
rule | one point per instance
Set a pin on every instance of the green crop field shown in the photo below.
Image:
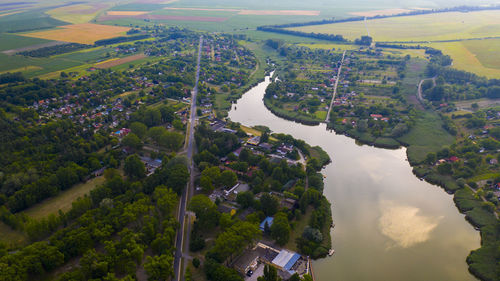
(80, 13)
(34, 66)
(12, 41)
(431, 27)
(26, 21)
(477, 56)
(86, 56)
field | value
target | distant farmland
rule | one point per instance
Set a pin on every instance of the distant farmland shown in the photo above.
(430, 27)
(77, 13)
(477, 56)
(85, 33)
(115, 62)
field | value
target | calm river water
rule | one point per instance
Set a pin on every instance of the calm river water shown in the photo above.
(390, 226)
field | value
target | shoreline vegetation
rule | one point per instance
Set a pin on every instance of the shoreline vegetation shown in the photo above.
(464, 199)
(481, 261)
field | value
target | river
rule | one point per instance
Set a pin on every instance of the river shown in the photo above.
(390, 226)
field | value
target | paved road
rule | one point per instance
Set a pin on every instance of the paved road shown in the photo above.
(188, 191)
(335, 89)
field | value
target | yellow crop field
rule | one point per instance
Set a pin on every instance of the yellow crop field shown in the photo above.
(77, 14)
(430, 27)
(85, 33)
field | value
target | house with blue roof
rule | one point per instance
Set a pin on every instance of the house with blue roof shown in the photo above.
(268, 220)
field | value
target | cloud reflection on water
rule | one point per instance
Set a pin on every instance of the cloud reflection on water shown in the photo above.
(404, 225)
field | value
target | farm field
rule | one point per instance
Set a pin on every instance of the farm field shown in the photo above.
(256, 12)
(80, 13)
(385, 12)
(477, 56)
(86, 56)
(431, 27)
(52, 66)
(120, 61)
(23, 69)
(64, 200)
(85, 33)
(27, 21)
(466, 106)
(126, 13)
(32, 67)
(12, 41)
(330, 46)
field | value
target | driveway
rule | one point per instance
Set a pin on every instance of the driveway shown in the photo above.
(256, 274)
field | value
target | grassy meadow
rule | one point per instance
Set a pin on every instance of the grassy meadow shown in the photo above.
(64, 200)
(11, 237)
(426, 136)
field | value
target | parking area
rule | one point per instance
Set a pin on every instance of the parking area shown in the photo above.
(256, 274)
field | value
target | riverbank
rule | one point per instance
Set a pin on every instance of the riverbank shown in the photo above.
(363, 176)
(383, 142)
(291, 116)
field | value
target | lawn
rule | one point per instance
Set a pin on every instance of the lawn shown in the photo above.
(221, 102)
(298, 229)
(430, 27)
(64, 200)
(321, 115)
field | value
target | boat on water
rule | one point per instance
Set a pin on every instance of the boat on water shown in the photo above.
(331, 252)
